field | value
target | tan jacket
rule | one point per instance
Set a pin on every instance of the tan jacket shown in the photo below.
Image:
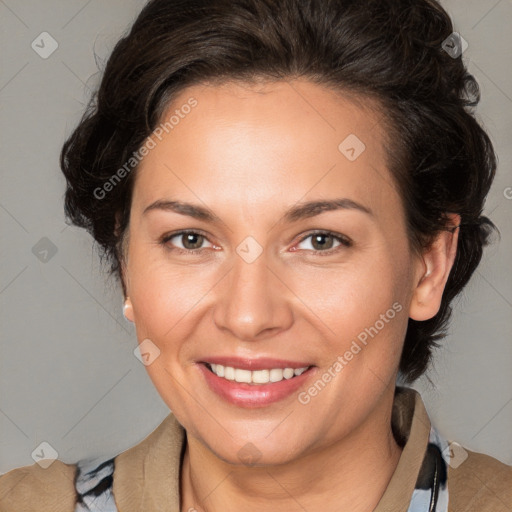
(147, 475)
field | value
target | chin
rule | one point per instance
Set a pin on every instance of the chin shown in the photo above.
(260, 449)
(255, 455)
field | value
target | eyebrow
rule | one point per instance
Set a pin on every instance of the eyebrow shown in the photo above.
(295, 213)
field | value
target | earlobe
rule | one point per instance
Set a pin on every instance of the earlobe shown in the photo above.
(437, 264)
(128, 310)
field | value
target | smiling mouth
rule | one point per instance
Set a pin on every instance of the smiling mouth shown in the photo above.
(256, 377)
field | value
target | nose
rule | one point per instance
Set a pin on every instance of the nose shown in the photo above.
(253, 302)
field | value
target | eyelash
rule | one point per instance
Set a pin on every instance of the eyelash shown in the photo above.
(345, 242)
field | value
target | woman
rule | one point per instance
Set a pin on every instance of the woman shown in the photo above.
(291, 194)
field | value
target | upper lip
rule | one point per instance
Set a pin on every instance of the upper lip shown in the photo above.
(263, 363)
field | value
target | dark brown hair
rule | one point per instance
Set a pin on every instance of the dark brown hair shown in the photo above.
(388, 50)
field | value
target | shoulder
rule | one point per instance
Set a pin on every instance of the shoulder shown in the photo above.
(150, 467)
(34, 488)
(478, 482)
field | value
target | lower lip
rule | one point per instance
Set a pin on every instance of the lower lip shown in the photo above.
(253, 395)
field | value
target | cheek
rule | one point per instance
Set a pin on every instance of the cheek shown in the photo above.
(353, 293)
(162, 297)
(162, 292)
(164, 301)
(362, 308)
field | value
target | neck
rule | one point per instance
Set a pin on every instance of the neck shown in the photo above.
(350, 474)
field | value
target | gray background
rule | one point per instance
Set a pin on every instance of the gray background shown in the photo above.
(68, 375)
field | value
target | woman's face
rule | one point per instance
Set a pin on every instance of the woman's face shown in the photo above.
(254, 286)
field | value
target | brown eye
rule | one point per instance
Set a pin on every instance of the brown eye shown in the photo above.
(324, 241)
(185, 241)
(192, 240)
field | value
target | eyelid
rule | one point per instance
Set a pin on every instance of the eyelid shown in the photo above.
(164, 240)
(345, 241)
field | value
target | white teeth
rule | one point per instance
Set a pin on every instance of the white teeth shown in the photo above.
(243, 375)
(259, 376)
(276, 374)
(256, 376)
(288, 373)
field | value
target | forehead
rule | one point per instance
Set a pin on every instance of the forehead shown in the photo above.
(268, 142)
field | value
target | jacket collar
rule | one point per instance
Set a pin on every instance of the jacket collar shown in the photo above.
(148, 474)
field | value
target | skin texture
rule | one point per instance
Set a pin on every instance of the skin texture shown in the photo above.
(248, 153)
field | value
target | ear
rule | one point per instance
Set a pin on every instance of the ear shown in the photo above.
(436, 264)
(128, 310)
